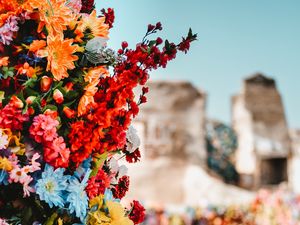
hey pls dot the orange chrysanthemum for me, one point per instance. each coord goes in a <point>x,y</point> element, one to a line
<point>92,78</point>
<point>60,56</point>
<point>54,14</point>
<point>95,24</point>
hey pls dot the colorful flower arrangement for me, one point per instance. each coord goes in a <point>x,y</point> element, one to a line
<point>66,104</point>
<point>279,207</point>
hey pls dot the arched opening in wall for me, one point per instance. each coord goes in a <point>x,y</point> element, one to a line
<point>273,171</point>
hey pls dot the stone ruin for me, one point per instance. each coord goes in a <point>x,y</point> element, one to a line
<point>172,131</point>
<point>264,145</point>
<point>172,123</point>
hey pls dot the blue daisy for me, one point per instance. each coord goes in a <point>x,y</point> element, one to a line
<point>52,185</point>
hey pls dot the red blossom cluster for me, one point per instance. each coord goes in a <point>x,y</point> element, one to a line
<point>105,125</point>
<point>97,184</point>
<point>109,16</point>
<point>121,188</point>
<point>87,6</point>
<point>138,213</point>
<point>12,117</point>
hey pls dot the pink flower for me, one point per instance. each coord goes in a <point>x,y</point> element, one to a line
<point>35,165</point>
<point>18,175</point>
<point>43,128</point>
<point>26,188</point>
<point>3,222</point>
<point>56,153</point>
<point>8,29</point>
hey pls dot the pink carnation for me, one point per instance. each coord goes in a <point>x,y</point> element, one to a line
<point>12,118</point>
<point>56,153</point>
<point>43,128</point>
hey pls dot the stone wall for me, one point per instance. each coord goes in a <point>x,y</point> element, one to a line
<point>172,122</point>
<point>264,145</point>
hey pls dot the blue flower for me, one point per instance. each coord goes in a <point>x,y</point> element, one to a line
<point>3,177</point>
<point>52,185</point>
<point>77,197</point>
<point>108,196</point>
<point>83,168</point>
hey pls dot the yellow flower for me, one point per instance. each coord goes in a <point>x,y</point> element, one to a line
<point>97,201</point>
<point>98,218</point>
<point>60,56</point>
<point>16,146</point>
<point>117,214</point>
<point>5,164</point>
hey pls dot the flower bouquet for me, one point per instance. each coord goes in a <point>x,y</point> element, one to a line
<point>66,104</point>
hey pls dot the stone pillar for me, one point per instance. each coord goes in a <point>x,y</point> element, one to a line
<point>258,118</point>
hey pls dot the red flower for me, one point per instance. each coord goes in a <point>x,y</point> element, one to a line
<point>137,214</point>
<point>12,117</point>
<point>97,184</point>
<point>56,153</point>
<point>45,83</point>
<point>87,6</point>
<point>122,187</point>
<point>133,157</point>
<point>109,16</point>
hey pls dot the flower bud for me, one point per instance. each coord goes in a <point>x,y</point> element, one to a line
<point>159,41</point>
<point>150,27</point>
<point>52,113</point>
<point>124,44</point>
<point>45,83</point>
<point>69,86</point>
<point>31,111</point>
<point>30,100</point>
<point>58,96</point>
<point>17,102</point>
<point>69,113</point>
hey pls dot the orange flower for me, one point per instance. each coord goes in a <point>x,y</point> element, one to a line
<point>54,14</point>
<point>26,69</point>
<point>92,77</point>
<point>95,24</point>
<point>4,61</point>
<point>60,56</point>
<point>37,45</point>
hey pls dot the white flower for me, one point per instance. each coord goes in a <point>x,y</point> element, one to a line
<point>3,140</point>
<point>116,171</point>
<point>96,44</point>
<point>133,140</point>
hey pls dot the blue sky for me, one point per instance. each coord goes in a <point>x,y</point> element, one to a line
<point>236,39</point>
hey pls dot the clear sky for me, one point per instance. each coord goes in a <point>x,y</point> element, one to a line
<point>236,39</point>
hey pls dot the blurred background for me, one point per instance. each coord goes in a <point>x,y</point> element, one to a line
<point>220,133</point>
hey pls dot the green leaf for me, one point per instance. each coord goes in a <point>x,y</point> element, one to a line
<point>151,43</point>
<point>99,159</point>
<point>30,83</point>
<point>52,219</point>
<point>51,107</point>
<point>2,96</point>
